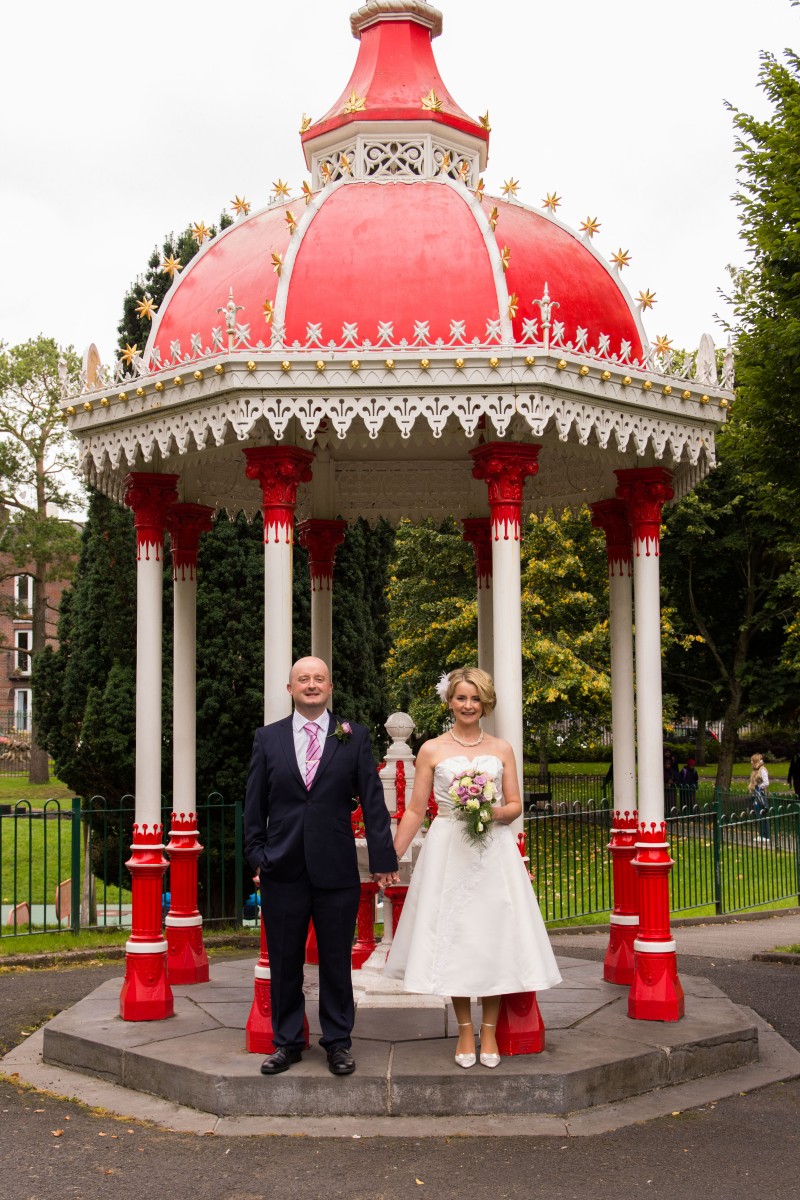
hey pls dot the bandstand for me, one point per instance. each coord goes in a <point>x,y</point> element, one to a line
<point>392,341</point>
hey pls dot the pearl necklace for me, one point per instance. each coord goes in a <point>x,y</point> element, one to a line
<point>461,741</point>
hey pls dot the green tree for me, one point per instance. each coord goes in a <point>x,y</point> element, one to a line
<point>433,617</point>
<point>565,647</point>
<point>729,582</point>
<point>39,484</point>
<point>134,328</point>
<point>766,292</point>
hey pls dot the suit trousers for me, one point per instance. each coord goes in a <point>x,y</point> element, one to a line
<point>287,909</point>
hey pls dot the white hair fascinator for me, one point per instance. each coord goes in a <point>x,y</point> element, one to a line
<point>442,686</point>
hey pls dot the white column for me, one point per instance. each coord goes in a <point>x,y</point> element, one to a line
<point>478,532</point>
<point>623,731</point>
<point>279,470</point>
<point>505,466</point>
<point>321,538</point>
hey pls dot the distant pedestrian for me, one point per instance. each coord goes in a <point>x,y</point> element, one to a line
<point>793,778</point>
<point>670,780</point>
<point>688,781</point>
<point>759,802</point>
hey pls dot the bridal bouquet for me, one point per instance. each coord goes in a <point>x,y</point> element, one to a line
<point>472,792</point>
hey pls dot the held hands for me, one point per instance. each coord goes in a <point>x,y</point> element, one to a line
<point>385,878</point>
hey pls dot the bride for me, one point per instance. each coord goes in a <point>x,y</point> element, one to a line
<point>470,924</point>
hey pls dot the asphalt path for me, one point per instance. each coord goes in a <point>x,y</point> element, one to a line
<point>749,1145</point>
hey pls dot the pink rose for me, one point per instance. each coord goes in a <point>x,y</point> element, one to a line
<point>347,727</point>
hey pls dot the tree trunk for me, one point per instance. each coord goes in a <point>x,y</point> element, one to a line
<point>727,743</point>
<point>39,767</point>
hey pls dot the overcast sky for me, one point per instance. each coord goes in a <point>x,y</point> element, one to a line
<point>120,123</point>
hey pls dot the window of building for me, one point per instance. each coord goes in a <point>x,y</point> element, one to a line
<point>23,594</point>
<point>22,710</point>
<point>22,647</point>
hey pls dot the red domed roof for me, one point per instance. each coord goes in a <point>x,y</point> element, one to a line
<point>398,244</point>
<point>368,254</point>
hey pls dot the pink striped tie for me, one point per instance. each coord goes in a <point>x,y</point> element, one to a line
<point>313,751</point>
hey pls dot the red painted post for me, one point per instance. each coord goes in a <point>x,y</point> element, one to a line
<point>146,994</point>
<point>624,921</point>
<point>365,940</point>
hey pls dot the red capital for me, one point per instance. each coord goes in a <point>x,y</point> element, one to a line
<point>185,523</point>
<point>320,539</point>
<point>280,470</point>
<point>478,532</point>
<point>645,491</point>
<point>150,495</point>
<point>505,466</point>
<point>612,517</point>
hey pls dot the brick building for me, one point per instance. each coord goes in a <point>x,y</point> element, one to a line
<point>16,634</point>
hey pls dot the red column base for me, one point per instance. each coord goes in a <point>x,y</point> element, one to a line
<point>396,894</point>
<point>258,1030</point>
<point>365,942</point>
<point>618,962</point>
<point>146,994</point>
<point>187,961</point>
<point>312,950</point>
<point>656,993</point>
<point>520,1028</point>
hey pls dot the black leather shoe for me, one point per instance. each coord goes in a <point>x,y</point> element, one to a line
<point>281,1060</point>
<point>341,1061</point>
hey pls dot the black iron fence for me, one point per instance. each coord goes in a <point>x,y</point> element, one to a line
<point>728,858</point>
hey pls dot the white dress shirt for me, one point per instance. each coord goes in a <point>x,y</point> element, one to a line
<point>301,737</point>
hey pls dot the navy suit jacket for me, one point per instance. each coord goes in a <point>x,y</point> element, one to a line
<point>289,829</point>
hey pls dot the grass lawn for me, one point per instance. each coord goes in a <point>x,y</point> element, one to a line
<point>16,787</point>
<point>35,857</point>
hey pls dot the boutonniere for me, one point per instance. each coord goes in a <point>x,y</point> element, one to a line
<point>342,731</point>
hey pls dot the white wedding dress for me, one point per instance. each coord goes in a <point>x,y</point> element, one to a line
<point>470,924</point>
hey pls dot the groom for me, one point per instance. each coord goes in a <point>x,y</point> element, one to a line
<point>304,773</point>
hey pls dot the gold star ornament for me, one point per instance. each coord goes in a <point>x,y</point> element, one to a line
<point>129,353</point>
<point>479,190</point>
<point>268,309</point>
<point>551,201</point>
<point>505,257</point>
<point>663,344</point>
<point>445,161</point>
<point>308,195</point>
<point>170,265</point>
<point>355,103</point>
<point>345,164</point>
<point>200,232</point>
<point>280,190</point>
<point>484,120</point>
<point>463,170</point>
<point>305,123</point>
<point>513,305</point>
<point>277,262</point>
<point>240,206</point>
<point>290,220</point>
<point>647,299</point>
<point>494,216</point>
<point>590,226</point>
<point>510,188</point>
<point>146,307</point>
<point>431,102</point>
<point>621,259</point>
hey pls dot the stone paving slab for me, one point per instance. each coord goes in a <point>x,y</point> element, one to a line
<point>595,1055</point>
<point>778,1062</point>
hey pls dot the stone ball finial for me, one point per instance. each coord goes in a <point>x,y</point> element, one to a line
<point>399,726</point>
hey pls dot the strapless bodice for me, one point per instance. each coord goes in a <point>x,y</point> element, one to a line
<point>445,772</point>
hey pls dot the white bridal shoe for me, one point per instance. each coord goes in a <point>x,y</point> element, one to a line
<point>489,1060</point>
<point>466,1060</point>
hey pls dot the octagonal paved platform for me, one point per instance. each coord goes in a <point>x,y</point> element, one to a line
<point>595,1055</point>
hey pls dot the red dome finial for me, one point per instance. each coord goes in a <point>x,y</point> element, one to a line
<point>395,79</point>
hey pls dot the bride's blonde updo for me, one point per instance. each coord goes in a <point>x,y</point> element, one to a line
<point>480,680</point>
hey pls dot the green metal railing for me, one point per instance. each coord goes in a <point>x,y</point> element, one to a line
<point>44,851</point>
<point>727,857</point>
